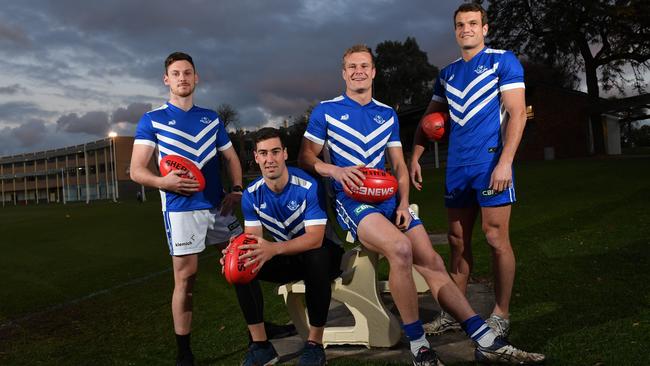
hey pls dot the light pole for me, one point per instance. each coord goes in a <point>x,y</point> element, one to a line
<point>111,150</point>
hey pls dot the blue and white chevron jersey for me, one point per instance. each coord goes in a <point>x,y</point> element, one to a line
<point>286,214</point>
<point>472,91</point>
<point>355,134</point>
<point>196,135</point>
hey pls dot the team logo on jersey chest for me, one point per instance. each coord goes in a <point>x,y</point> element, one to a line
<point>379,119</point>
<point>172,122</point>
<point>481,69</point>
<point>205,120</point>
<point>263,206</point>
<point>345,117</point>
<point>293,205</point>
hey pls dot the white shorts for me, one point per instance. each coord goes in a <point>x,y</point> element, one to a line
<point>189,232</point>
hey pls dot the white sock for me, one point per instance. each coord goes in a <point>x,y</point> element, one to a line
<point>419,343</point>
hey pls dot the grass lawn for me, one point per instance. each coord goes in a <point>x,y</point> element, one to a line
<point>91,284</point>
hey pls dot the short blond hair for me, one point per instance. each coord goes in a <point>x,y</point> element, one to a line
<point>358,48</point>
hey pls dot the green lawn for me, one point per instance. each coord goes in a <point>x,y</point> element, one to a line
<point>90,284</point>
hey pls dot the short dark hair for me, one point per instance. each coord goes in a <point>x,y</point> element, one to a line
<point>357,48</point>
<point>178,56</point>
<point>267,133</point>
<point>472,7</point>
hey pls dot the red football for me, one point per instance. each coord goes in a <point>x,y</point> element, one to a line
<point>233,267</point>
<point>435,125</point>
<point>378,186</point>
<point>177,162</point>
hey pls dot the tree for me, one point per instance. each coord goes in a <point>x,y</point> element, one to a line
<point>227,114</point>
<point>600,38</point>
<point>404,75</point>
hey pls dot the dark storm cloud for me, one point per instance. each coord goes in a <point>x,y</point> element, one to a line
<point>30,133</point>
<point>243,44</point>
<point>131,113</point>
<point>92,123</point>
<point>268,59</point>
<point>12,89</point>
<point>14,35</point>
<point>12,112</point>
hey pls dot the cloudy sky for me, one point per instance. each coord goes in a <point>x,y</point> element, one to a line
<point>70,71</point>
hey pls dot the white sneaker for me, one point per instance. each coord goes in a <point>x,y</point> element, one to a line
<point>441,324</point>
<point>499,325</point>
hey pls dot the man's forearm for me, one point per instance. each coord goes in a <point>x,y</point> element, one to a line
<point>514,132</point>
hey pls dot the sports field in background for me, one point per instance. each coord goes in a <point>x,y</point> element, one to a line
<point>91,284</point>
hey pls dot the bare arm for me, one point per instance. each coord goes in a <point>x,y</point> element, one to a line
<point>396,156</point>
<point>514,101</point>
<point>140,173</point>
<point>419,144</point>
<point>350,177</point>
<point>232,200</point>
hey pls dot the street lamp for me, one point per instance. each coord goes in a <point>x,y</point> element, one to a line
<point>111,150</point>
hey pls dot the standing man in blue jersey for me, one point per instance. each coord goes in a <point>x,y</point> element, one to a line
<point>192,219</point>
<point>359,130</point>
<point>483,92</point>
<point>289,204</point>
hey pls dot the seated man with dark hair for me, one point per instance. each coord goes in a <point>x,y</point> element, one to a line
<point>289,203</point>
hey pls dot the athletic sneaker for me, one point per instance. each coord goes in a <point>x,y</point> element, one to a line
<point>441,324</point>
<point>503,352</point>
<point>313,354</point>
<point>499,325</point>
<point>426,357</point>
<point>260,356</point>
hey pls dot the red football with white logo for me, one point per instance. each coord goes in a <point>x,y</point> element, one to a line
<point>177,162</point>
<point>378,186</point>
<point>233,266</point>
<point>435,125</point>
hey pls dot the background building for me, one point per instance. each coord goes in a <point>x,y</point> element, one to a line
<point>91,171</point>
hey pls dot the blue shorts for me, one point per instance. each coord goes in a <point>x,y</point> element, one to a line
<point>469,186</point>
<point>349,212</point>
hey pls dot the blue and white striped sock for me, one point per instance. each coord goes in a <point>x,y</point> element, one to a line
<point>479,331</point>
<point>415,333</point>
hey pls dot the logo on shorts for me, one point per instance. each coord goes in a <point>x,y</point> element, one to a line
<point>379,119</point>
<point>360,209</point>
<point>205,120</point>
<point>185,243</point>
<point>492,150</point>
<point>481,69</point>
<point>293,205</point>
<point>172,122</point>
<point>489,192</point>
<point>345,117</point>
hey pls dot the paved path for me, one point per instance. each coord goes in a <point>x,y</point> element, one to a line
<point>451,347</point>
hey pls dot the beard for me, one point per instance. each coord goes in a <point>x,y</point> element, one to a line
<point>183,94</point>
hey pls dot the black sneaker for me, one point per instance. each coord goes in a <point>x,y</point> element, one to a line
<point>187,360</point>
<point>503,352</point>
<point>312,355</point>
<point>260,356</point>
<point>426,357</point>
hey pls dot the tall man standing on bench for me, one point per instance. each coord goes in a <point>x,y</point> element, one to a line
<point>358,131</point>
<point>290,205</point>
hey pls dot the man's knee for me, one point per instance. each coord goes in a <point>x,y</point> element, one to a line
<point>497,236</point>
<point>400,252</point>
<point>184,278</point>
